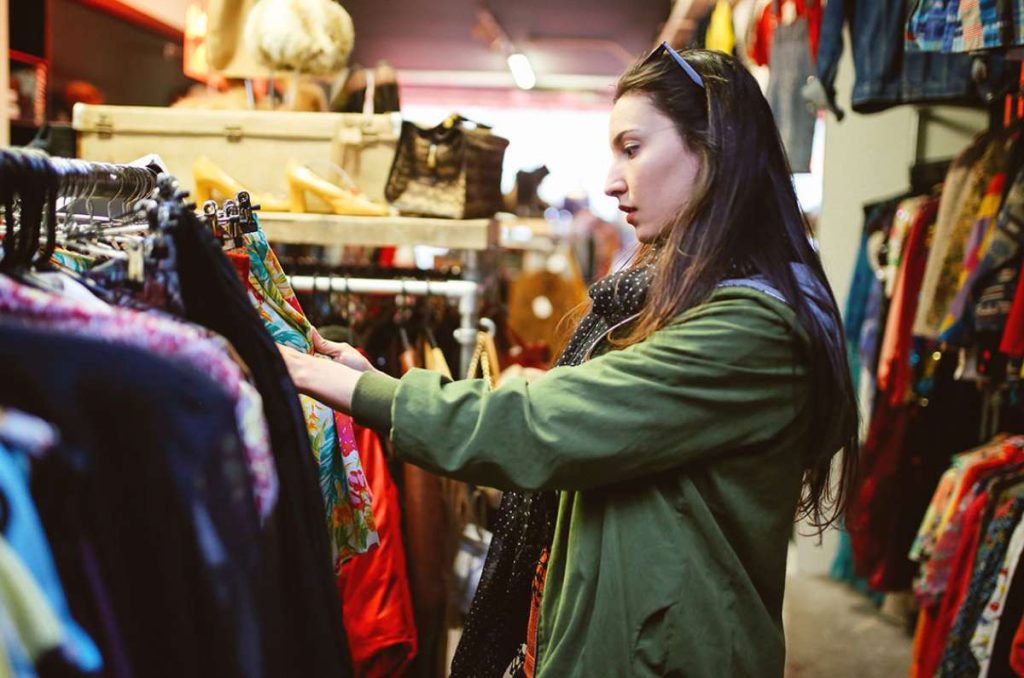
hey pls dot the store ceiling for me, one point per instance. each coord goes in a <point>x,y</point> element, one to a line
<point>561,37</point>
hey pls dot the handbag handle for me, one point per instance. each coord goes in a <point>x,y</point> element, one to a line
<point>371,91</point>
<point>458,119</point>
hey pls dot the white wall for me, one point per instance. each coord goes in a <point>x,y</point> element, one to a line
<point>867,157</point>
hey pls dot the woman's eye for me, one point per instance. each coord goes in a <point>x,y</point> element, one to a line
<point>630,151</point>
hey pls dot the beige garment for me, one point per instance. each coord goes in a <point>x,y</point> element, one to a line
<point>37,624</point>
<point>962,193</point>
<point>225,46</point>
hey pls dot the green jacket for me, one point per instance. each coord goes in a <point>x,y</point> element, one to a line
<point>680,463</point>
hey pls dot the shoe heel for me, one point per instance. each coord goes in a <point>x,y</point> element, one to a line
<point>204,192</point>
<point>296,197</point>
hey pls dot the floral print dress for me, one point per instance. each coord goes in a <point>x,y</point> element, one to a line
<point>345,490</point>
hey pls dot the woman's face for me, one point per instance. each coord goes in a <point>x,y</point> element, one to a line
<point>653,172</point>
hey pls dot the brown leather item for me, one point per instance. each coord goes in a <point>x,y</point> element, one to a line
<point>451,171</point>
<point>565,294</point>
<point>426,523</point>
<point>427,526</point>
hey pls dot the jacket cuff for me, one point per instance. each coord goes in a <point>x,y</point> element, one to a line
<point>372,401</point>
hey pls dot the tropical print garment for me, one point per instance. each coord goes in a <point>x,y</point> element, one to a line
<point>345,490</point>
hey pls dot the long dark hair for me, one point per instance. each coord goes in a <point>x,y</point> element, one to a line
<point>744,212</point>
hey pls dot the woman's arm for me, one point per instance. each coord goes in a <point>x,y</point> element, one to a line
<point>332,382</point>
<point>726,378</point>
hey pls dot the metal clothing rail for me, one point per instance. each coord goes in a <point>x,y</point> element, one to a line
<point>466,291</point>
<point>78,178</point>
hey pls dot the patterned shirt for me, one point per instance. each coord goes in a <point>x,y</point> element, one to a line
<point>346,493</point>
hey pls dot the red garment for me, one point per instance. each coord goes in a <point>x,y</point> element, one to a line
<point>537,594</point>
<point>894,370</point>
<point>761,43</point>
<point>868,518</point>
<point>1017,651</point>
<point>240,260</point>
<point>1013,336</point>
<point>374,586</point>
<point>933,641</point>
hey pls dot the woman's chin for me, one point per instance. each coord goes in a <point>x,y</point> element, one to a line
<point>647,235</point>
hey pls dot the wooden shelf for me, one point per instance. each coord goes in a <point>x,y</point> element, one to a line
<point>330,229</point>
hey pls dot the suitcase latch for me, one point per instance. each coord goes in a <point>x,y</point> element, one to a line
<point>233,133</point>
<point>104,126</point>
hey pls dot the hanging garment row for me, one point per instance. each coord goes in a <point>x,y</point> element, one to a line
<point>935,327</point>
<point>970,586</point>
<point>181,503</point>
<point>952,27</point>
<point>120,272</point>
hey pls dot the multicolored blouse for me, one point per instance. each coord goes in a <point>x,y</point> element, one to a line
<point>343,484</point>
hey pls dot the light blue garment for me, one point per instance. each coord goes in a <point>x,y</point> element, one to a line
<point>24,532</point>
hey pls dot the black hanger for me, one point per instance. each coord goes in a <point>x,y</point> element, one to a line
<point>28,183</point>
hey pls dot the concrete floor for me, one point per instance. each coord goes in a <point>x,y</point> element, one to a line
<point>834,632</point>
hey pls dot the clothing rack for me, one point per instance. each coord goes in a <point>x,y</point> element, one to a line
<point>466,291</point>
<point>79,178</point>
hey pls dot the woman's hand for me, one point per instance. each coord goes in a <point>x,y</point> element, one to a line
<point>343,353</point>
<point>330,382</point>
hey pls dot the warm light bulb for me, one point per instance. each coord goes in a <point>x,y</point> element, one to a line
<point>522,71</point>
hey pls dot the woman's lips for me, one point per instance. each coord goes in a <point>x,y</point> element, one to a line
<point>630,218</point>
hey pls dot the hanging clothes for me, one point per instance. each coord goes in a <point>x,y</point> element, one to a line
<point>989,247</point>
<point>169,459</point>
<point>168,478</point>
<point>972,527</point>
<point>984,638</point>
<point>886,74</point>
<point>983,159</point>
<point>346,494</point>
<point>792,58</point>
<point>957,26</point>
<point>37,629</point>
<point>721,36</point>
<point>305,623</point>
<point>760,49</point>
<point>25,536</point>
<point>374,586</point>
<point>192,345</point>
<point>916,217</point>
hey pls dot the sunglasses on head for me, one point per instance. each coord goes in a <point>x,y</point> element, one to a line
<point>687,68</point>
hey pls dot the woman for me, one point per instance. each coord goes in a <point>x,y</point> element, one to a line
<point>702,420</point>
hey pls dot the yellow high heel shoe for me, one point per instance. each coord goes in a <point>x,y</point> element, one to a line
<point>342,200</point>
<point>211,179</point>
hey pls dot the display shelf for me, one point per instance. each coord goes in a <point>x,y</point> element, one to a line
<point>330,229</point>
<point>521,233</point>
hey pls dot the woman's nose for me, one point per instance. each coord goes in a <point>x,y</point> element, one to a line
<point>615,184</point>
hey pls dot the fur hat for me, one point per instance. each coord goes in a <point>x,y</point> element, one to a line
<point>307,36</point>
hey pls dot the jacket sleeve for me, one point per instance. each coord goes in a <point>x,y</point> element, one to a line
<point>725,377</point>
<point>830,49</point>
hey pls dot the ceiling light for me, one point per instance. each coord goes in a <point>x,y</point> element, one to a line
<point>522,71</point>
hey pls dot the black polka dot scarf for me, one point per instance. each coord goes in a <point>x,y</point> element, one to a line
<point>495,628</point>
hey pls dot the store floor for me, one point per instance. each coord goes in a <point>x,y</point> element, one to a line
<point>834,632</point>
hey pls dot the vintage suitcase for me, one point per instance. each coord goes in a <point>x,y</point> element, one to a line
<point>253,147</point>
